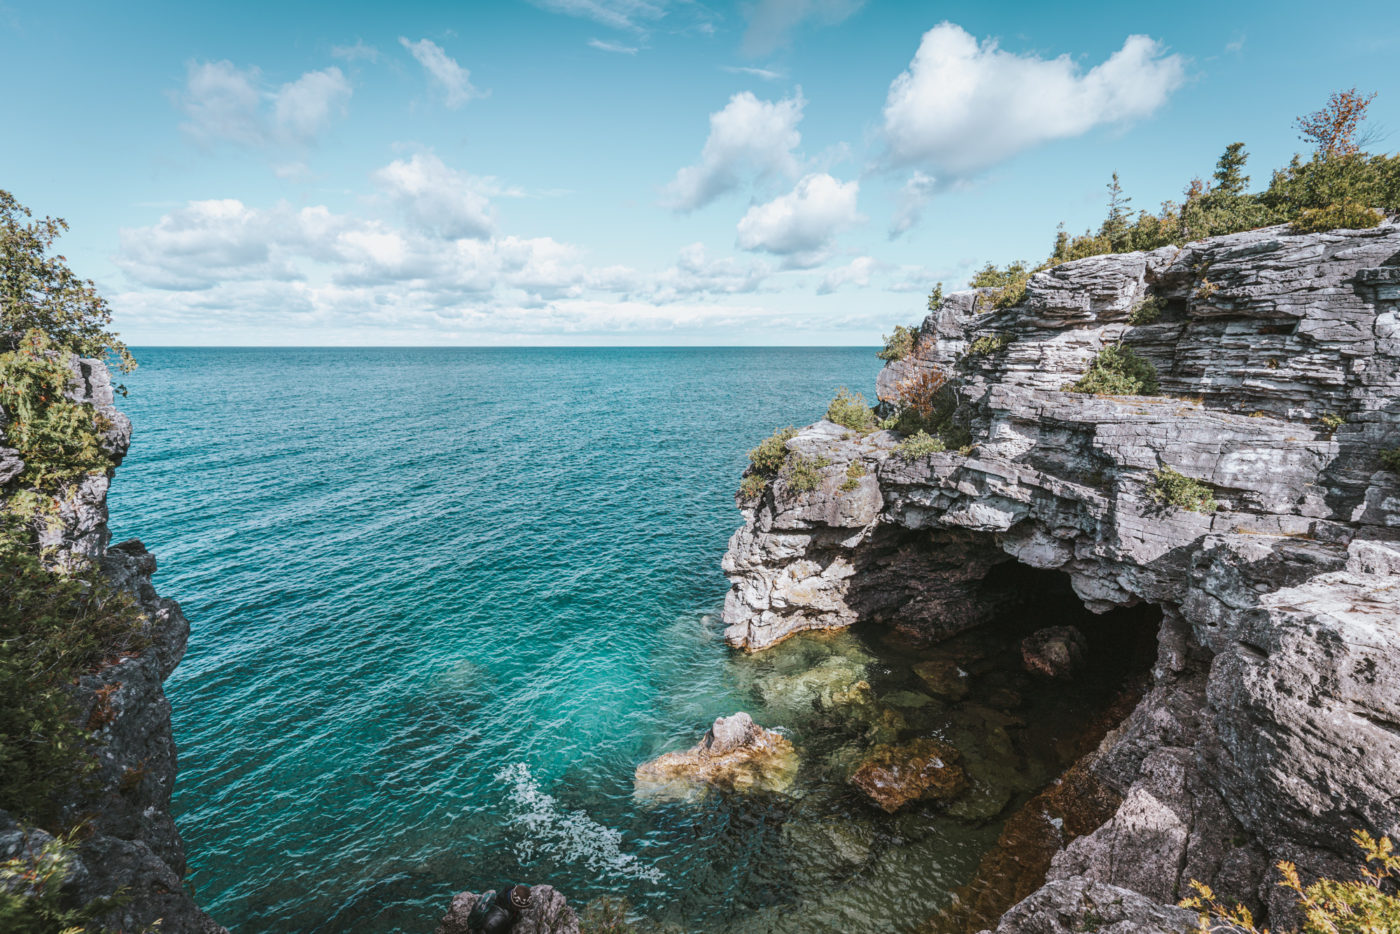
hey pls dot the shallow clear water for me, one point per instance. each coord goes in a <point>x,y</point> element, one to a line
<point>443,602</point>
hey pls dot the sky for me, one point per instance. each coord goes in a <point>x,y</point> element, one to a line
<point>625,172</point>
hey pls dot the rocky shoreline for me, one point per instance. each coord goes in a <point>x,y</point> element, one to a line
<point>1271,728</point>
<point>128,842</point>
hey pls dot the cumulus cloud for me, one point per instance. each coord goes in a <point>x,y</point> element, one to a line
<point>225,103</point>
<point>909,203</point>
<point>771,21</point>
<point>748,136</point>
<point>206,242</point>
<point>963,105</point>
<point>800,225</point>
<point>452,79</point>
<point>857,272</point>
<point>437,198</point>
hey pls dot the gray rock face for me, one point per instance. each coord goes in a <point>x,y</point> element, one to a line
<point>133,844</point>
<point>1273,728</point>
<point>549,913</point>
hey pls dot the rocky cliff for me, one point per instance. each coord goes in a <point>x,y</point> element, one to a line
<point>1272,726</point>
<point>129,843</point>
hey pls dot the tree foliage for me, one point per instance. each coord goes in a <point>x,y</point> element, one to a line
<point>39,292</point>
<point>1365,905</point>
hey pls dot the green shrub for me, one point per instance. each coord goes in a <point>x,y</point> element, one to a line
<point>1147,311</point>
<point>988,344</point>
<point>1332,421</point>
<point>803,475</point>
<point>1329,906</point>
<point>854,471</point>
<point>899,344</point>
<point>752,487</point>
<point>935,297</point>
<point>1118,371</point>
<point>919,444</point>
<point>54,628</point>
<point>33,897</point>
<point>1390,459</point>
<point>1010,284</point>
<point>1176,489</point>
<point>851,411</point>
<point>1344,215</point>
<point>768,458</point>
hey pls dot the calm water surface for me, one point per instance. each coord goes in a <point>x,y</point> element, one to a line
<point>443,601</point>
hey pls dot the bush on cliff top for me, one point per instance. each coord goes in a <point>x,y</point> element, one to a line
<point>1338,186</point>
<point>850,410</point>
<point>1329,906</point>
<point>899,344</point>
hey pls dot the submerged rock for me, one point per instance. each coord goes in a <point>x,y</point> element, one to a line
<point>548,912</point>
<point>1056,652</point>
<point>921,770</point>
<point>943,677</point>
<point>735,754</point>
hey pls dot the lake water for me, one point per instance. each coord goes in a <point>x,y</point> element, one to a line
<point>444,601</point>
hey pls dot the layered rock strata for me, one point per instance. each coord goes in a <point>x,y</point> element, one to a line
<point>1272,729</point>
<point>129,841</point>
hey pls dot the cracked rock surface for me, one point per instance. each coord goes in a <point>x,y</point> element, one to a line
<point>1272,729</point>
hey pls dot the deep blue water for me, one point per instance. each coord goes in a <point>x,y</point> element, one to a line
<point>442,603</point>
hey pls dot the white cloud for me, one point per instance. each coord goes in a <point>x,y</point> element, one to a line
<point>913,195</point>
<point>222,102</point>
<point>747,136</point>
<point>770,21</point>
<point>619,14</point>
<point>225,103</point>
<point>357,52</point>
<point>603,45</point>
<point>451,78</point>
<point>857,272</point>
<point>437,198</point>
<point>963,106</point>
<point>767,74</point>
<point>801,224</point>
<point>304,107</point>
<point>207,242</point>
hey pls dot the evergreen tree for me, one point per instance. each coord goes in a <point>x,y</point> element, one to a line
<point>1229,171</point>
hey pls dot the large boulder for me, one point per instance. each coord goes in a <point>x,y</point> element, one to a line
<point>735,754</point>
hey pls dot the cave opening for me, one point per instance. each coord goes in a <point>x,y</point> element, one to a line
<point>1025,736</point>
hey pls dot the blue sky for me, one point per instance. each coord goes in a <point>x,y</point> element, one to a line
<point>624,171</point>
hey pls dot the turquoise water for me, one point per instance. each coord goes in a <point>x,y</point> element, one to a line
<point>432,589</point>
<point>443,602</point>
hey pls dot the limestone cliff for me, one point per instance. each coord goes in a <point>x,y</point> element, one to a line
<point>1272,728</point>
<point>129,842</point>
